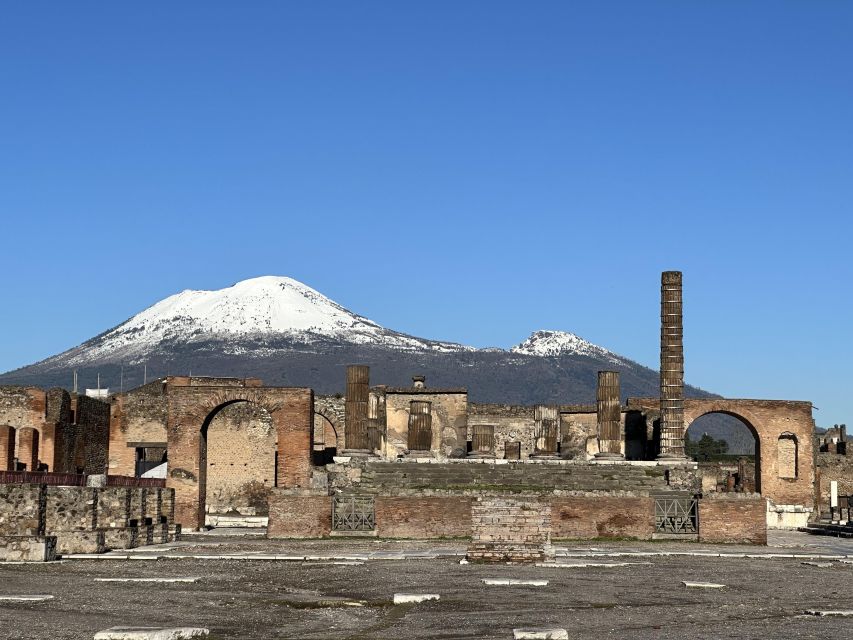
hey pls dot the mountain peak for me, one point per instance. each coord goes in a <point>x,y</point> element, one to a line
<point>556,343</point>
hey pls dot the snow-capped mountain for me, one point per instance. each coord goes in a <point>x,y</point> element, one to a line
<point>260,308</point>
<point>285,332</point>
<point>557,343</point>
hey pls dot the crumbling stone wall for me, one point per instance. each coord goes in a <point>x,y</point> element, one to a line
<point>68,441</point>
<point>449,412</point>
<point>87,519</point>
<point>834,467</point>
<point>22,508</point>
<point>329,421</point>
<point>513,423</point>
<point>91,434</point>
<point>241,447</point>
<point>137,419</point>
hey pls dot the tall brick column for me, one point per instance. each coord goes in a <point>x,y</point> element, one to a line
<point>28,447</point>
<point>671,368</point>
<point>609,416</point>
<point>7,447</point>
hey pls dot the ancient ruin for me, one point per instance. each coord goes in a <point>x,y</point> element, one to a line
<point>396,462</point>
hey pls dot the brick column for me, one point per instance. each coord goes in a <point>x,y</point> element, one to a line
<point>671,368</point>
<point>7,448</point>
<point>28,447</point>
<point>609,416</point>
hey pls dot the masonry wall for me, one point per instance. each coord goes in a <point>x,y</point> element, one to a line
<point>86,519</point>
<point>423,517</point>
<point>92,434</point>
<point>834,467</point>
<point>510,528</point>
<point>512,423</point>
<point>299,516</point>
<point>22,509</point>
<point>137,419</point>
<point>602,516</point>
<point>733,518</point>
<point>329,420</point>
<point>449,420</point>
<point>241,448</point>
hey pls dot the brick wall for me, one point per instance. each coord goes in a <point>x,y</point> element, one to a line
<point>602,517</point>
<point>137,418</point>
<point>28,449</point>
<point>735,518</point>
<point>299,516</point>
<point>241,460</point>
<point>510,529</point>
<point>7,448</point>
<point>423,517</point>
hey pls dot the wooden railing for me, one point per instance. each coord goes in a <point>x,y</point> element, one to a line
<point>74,479</point>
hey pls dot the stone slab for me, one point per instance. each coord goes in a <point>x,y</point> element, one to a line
<point>588,565</point>
<point>36,598</point>
<point>147,579</point>
<point>841,613</point>
<point>540,634</point>
<point>151,633</point>
<point>702,585</point>
<point>404,598</point>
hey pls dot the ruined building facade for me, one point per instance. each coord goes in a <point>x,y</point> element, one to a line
<point>424,462</point>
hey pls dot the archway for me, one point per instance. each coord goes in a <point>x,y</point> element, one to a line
<point>728,449</point>
<point>237,461</point>
<point>326,439</point>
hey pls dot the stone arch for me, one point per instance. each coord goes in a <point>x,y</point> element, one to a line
<point>237,460</point>
<point>744,417</point>
<point>331,427</point>
<point>190,409</point>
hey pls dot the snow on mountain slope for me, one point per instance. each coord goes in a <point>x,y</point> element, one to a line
<point>269,315</point>
<point>267,306</point>
<point>557,343</point>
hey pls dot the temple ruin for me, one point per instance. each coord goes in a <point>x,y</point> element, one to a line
<point>397,462</point>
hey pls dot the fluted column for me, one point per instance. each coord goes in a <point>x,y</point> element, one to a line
<point>357,399</point>
<point>609,407</point>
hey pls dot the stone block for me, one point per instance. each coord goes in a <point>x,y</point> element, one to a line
<point>68,542</point>
<point>27,548</point>
<point>121,537</point>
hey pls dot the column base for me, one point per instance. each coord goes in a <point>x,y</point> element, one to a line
<point>604,456</point>
<point>358,452</point>
<point>671,457</point>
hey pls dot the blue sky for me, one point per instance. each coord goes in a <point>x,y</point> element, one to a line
<point>519,165</point>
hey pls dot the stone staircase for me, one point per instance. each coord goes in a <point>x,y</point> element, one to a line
<point>402,477</point>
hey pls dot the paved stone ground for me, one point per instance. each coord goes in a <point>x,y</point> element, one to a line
<point>764,597</point>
